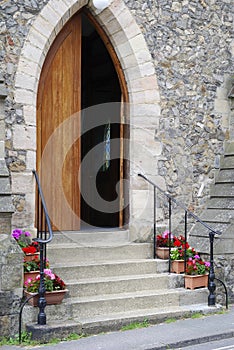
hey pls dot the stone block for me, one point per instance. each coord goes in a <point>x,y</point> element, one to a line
<point>43,27</point>
<point>25,81</point>
<point>22,219</point>
<point>5,223</point>
<point>24,137</point>
<point>5,187</point>
<point>3,168</point>
<point>51,15</point>
<point>2,149</point>
<point>37,39</point>
<point>119,38</point>
<point>144,83</point>
<point>30,115</point>
<point>24,96</point>
<point>28,67</point>
<point>22,183</point>
<point>31,160</point>
<point>6,204</point>
<point>59,6</point>
<point>125,50</point>
<point>2,129</point>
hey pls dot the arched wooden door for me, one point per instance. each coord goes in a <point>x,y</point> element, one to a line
<point>59,99</point>
<point>78,72</point>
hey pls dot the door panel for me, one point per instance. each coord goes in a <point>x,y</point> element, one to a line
<point>58,156</point>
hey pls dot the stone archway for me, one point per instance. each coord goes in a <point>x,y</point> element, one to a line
<point>136,62</point>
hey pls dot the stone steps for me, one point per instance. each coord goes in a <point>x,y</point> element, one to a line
<point>111,286</point>
<point>69,252</point>
<point>219,213</point>
<point>117,303</point>
<point>110,268</point>
<point>122,284</point>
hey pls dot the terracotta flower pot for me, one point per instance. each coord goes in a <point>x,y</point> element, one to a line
<point>162,252</point>
<point>52,298</point>
<point>196,281</point>
<point>177,266</point>
<point>30,257</point>
<point>31,274</point>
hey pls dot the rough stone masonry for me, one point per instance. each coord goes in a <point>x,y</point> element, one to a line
<point>191,44</point>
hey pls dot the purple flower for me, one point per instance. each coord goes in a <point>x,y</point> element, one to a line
<point>207,263</point>
<point>16,233</point>
<point>27,234</point>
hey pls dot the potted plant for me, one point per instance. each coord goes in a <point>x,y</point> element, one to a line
<point>196,272</point>
<point>54,285</point>
<point>180,250</point>
<point>23,238</point>
<point>163,242</point>
<point>32,267</point>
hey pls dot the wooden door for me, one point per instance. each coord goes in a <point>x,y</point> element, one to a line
<point>58,127</point>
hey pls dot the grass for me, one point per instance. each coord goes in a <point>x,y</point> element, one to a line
<point>136,325</point>
<point>171,320</point>
<point>26,340</point>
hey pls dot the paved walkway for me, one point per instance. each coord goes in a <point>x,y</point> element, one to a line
<point>159,337</point>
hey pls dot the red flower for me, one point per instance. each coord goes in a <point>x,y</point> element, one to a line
<point>29,250</point>
<point>177,243</point>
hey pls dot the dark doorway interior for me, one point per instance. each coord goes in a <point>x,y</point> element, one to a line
<point>99,85</point>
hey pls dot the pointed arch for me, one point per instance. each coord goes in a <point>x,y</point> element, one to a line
<point>128,44</point>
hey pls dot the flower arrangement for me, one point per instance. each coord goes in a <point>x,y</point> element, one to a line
<point>34,264</point>
<point>196,266</point>
<point>24,240</point>
<point>166,239</point>
<point>178,251</point>
<point>52,282</point>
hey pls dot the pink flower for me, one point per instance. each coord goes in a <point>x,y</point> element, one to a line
<point>197,257</point>
<point>49,273</point>
<point>166,234</point>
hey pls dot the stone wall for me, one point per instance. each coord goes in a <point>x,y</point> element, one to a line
<point>191,44</point>
<point>11,283</point>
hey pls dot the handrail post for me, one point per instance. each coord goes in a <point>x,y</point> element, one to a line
<point>42,290</point>
<point>155,222</point>
<point>169,209</point>
<point>211,284</point>
<point>185,237</point>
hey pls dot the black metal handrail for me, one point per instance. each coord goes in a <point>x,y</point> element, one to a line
<point>212,233</point>
<point>44,236</point>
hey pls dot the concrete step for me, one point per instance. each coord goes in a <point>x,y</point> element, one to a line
<point>217,215</point>
<point>111,303</point>
<point>88,238</point>
<point>220,203</point>
<point>227,162</point>
<point>225,176</point>
<point>222,190</point>
<point>200,231</point>
<point>71,252</point>
<point>229,148</point>
<point>70,272</point>
<point>114,322</point>
<point>124,284</point>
